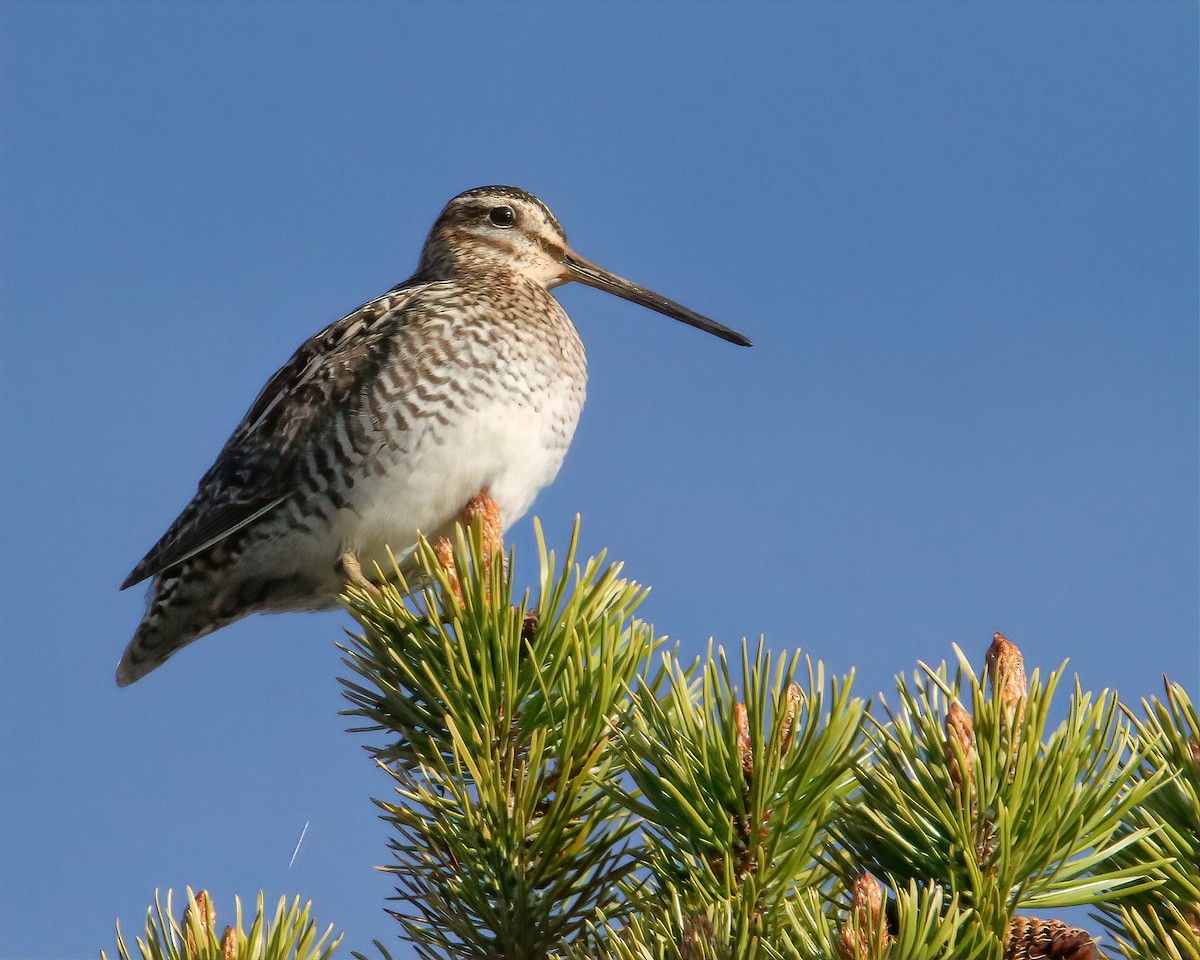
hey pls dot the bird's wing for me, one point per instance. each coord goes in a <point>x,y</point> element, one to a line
<point>253,473</point>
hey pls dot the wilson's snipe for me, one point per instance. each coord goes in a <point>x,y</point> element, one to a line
<point>456,392</point>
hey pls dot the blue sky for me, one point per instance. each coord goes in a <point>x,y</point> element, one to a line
<point>963,238</point>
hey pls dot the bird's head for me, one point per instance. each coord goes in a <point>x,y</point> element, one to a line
<point>496,228</point>
<point>504,229</point>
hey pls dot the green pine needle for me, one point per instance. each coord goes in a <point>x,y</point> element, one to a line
<point>1034,825</point>
<point>1162,836</point>
<point>734,812</point>
<point>496,730</point>
<point>562,787</point>
<point>290,934</point>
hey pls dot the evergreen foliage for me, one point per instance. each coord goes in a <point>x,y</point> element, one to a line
<point>734,798</point>
<point>290,934</point>
<point>1018,817</point>
<point>1164,921</point>
<point>564,787</point>
<point>497,721</point>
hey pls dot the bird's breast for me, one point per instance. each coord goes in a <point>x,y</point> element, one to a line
<point>498,413</point>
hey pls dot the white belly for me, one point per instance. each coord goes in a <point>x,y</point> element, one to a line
<point>511,451</point>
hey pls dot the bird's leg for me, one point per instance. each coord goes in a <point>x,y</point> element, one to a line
<point>354,574</point>
<point>483,506</point>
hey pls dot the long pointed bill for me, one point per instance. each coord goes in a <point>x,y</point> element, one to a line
<point>588,273</point>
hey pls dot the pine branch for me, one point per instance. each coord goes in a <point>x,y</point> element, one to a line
<point>290,934</point>
<point>734,798</point>
<point>496,723</point>
<point>1164,833</point>
<point>562,792</point>
<point>994,806</point>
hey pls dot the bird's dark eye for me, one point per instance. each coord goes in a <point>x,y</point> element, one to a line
<point>502,216</point>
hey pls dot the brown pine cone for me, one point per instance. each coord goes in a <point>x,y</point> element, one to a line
<point>1032,939</point>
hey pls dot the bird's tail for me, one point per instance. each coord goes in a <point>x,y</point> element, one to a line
<point>175,616</point>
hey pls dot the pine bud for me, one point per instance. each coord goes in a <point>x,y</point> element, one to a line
<point>745,748</point>
<point>788,728</point>
<point>207,918</point>
<point>229,944</point>
<point>445,558</point>
<point>1006,670</point>
<point>866,897</point>
<point>853,944</point>
<point>961,731</point>
<point>697,938</point>
<point>865,935</point>
<point>986,845</point>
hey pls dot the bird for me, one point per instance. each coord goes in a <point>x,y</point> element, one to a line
<point>453,394</point>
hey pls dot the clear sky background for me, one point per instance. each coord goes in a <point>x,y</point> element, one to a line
<point>962,236</point>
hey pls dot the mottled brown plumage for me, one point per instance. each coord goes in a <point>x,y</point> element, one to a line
<point>468,377</point>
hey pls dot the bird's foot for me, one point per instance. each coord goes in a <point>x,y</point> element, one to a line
<point>354,575</point>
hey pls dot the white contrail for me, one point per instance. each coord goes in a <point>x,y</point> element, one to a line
<point>298,842</point>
